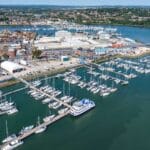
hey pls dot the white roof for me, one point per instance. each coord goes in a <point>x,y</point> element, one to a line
<point>10,66</point>
<point>48,39</point>
<point>63,33</point>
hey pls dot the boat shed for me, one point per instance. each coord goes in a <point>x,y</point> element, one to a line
<point>11,67</point>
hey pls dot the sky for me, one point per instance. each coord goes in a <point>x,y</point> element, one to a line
<point>77,2</point>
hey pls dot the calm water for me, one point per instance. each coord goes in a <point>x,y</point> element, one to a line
<point>137,33</point>
<point>119,121</point>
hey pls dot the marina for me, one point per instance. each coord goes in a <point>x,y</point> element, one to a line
<point>33,131</point>
<point>7,107</point>
<point>118,88</point>
<point>100,79</point>
<point>27,131</point>
<point>74,75</point>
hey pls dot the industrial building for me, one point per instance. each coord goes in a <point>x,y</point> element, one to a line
<point>11,67</point>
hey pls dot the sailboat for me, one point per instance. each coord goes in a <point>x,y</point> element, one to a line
<point>69,98</point>
<point>8,138</point>
<point>113,89</point>
<point>5,105</point>
<point>125,81</point>
<point>48,118</point>
<point>64,96</point>
<point>12,145</point>
<point>40,128</point>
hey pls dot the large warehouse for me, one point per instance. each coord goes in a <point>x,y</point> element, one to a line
<point>11,66</point>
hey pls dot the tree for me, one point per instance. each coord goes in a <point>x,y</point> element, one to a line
<point>4,57</point>
<point>36,53</point>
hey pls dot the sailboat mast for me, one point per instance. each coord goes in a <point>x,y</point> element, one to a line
<point>6,129</point>
<point>53,82</point>
<point>38,121</point>
<point>69,89</point>
<point>46,80</point>
<point>63,89</point>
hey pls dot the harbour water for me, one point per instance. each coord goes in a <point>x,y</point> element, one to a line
<point>137,33</point>
<point>118,122</point>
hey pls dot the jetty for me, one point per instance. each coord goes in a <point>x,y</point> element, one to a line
<point>15,91</point>
<point>117,73</point>
<point>32,131</point>
<point>29,85</point>
<point>58,117</point>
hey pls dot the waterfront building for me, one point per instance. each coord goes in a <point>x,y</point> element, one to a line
<point>11,67</point>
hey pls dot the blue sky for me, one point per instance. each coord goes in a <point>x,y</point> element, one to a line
<point>78,2</point>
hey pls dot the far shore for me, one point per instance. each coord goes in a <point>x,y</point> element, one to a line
<point>102,24</point>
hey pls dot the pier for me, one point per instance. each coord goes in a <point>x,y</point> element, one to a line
<point>29,85</point>
<point>32,131</point>
<point>110,77</point>
<point>15,91</point>
<point>118,73</point>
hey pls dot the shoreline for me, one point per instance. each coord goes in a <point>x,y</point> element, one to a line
<point>61,70</point>
<point>121,56</point>
<point>38,75</point>
<point>127,25</point>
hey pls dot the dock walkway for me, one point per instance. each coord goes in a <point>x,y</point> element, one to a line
<point>31,132</point>
<point>29,85</point>
<point>15,91</point>
<point>118,73</point>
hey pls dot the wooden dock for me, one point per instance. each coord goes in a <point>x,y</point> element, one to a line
<point>29,85</point>
<point>15,91</point>
<point>117,73</point>
<point>32,131</point>
<point>58,117</point>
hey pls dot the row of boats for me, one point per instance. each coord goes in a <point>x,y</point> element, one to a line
<point>78,108</point>
<point>52,103</point>
<point>118,71</point>
<point>7,107</point>
<point>12,141</point>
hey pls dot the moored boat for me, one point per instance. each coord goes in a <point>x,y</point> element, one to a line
<point>81,107</point>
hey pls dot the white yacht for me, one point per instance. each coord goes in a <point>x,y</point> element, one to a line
<point>113,90</point>
<point>105,92</point>
<point>117,81</point>
<point>63,110</point>
<point>89,88</point>
<point>12,111</point>
<point>6,105</point>
<point>81,107</point>
<point>125,82</point>
<point>50,105</point>
<point>69,99</point>
<point>96,91</point>
<point>8,137</point>
<point>64,98</point>
<point>12,145</point>
<point>47,100</point>
<point>36,83</point>
<point>40,128</point>
<point>56,93</point>
<point>56,106</point>
<point>48,118</point>
<point>26,129</point>
<point>74,81</point>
